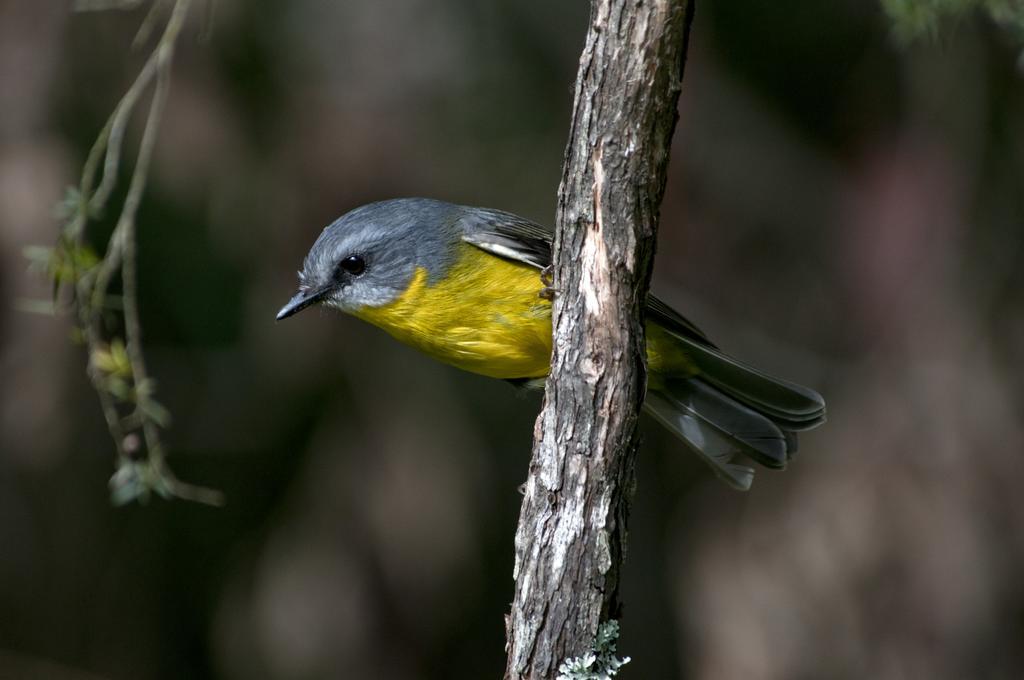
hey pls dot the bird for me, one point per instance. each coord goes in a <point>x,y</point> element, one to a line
<point>468,286</point>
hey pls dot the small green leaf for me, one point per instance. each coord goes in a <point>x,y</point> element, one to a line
<point>112,360</point>
<point>70,205</point>
<point>43,307</point>
<point>155,411</point>
<point>63,263</point>
<point>84,257</point>
<point>39,257</point>
<point>128,484</point>
<point>118,387</point>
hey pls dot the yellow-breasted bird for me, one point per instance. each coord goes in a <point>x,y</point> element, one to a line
<point>464,286</point>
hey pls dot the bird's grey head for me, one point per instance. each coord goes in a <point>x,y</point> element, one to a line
<point>368,257</point>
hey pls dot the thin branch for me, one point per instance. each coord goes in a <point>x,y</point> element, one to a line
<point>115,133</point>
<point>118,369</point>
<point>149,23</point>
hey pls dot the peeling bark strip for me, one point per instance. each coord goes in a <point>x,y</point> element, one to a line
<point>572,527</point>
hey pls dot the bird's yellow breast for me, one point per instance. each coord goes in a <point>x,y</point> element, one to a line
<point>487,316</point>
<point>484,316</point>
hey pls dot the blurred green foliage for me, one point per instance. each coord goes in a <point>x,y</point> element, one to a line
<point>913,19</point>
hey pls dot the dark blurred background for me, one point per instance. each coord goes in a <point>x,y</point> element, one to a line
<point>841,211</point>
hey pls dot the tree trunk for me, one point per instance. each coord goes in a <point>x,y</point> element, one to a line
<point>571,538</point>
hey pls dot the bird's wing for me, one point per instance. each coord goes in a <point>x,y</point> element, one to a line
<point>515,238</point>
<point>509,236</point>
<point>671,320</point>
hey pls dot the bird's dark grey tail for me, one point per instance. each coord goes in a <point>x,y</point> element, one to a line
<point>728,411</point>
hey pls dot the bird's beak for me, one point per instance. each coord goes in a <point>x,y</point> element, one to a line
<point>301,300</point>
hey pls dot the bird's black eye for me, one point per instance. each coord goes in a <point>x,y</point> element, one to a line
<point>353,264</point>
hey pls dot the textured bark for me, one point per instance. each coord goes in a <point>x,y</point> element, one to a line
<point>571,538</point>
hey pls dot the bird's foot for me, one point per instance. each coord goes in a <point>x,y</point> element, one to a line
<point>547,293</point>
<point>547,277</point>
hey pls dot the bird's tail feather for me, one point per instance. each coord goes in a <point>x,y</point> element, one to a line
<point>791,406</point>
<point>729,411</point>
<point>716,448</point>
<point>719,428</point>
